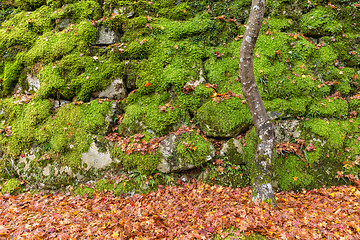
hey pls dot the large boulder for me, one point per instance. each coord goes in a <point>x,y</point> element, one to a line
<point>94,158</point>
<point>184,151</point>
<point>224,117</point>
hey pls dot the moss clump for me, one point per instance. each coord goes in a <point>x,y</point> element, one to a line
<point>354,105</point>
<point>69,133</point>
<point>53,46</point>
<point>83,190</point>
<point>12,186</point>
<point>182,29</point>
<point>195,99</point>
<point>144,163</point>
<point>192,149</point>
<point>23,28</point>
<point>117,188</point>
<point>331,137</point>
<point>76,76</point>
<point>30,5</point>
<point>81,10</point>
<point>320,21</point>
<point>226,118</point>
<point>61,137</point>
<point>25,129</point>
<point>156,113</point>
<point>329,108</point>
<point>288,108</point>
<point>12,72</point>
<point>333,133</point>
<point>223,66</point>
<point>291,173</point>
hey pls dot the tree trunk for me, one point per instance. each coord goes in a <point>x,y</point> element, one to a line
<point>261,170</point>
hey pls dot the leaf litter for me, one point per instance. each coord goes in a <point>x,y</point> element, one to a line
<point>188,211</point>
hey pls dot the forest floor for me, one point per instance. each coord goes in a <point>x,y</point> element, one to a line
<point>187,211</point>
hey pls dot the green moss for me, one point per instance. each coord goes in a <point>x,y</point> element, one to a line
<point>226,118</point>
<point>278,24</point>
<point>29,5</point>
<point>144,163</point>
<point>325,57</point>
<point>62,137</point>
<point>72,129</point>
<point>220,68</point>
<point>288,108</point>
<point>177,30</point>
<point>320,21</point>
<point>77,75</point>
<point>233,235</point>
<point>192,148</point>
<point>343,88</point>
<point>195,99</point>
<point>235,172</point>
<point>12,186</point>
<point>23,28</point>
<point>138,49</point>
<point>156,113</point>
<point>346,48</point>
<point>10,110</point>
<point>53,46</point>
<point>354,105</point>
<point>329,130</point>
<point>123,186</point>
<point>12,74</point>
<point>291,173</point>
<point>178,12</point>
<point>25,127</point>
<point>80,10</point>
<point>329,108</point>
<point>83,190</point>
<point>242,150</point>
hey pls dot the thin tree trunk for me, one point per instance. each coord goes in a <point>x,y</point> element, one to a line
<point>261,171</point>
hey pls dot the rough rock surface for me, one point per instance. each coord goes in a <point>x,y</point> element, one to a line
<point>96,159</point>
<point>115,91</point>
<point>286,130</point>
<point>106,36</point>
<point>34,83</point>
<point>169,161</point>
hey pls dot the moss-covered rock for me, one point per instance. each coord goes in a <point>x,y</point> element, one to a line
<point>226,118</point>
<point>180,61</point>
<point>329,108</point>
<point>12,186</point>
<point>320,21</point>
<point>155,113</point>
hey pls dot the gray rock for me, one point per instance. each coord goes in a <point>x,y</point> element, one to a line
<point>115,91</point>
<point>64,23</point>
<point>124,11</point>
<point>59,103</point>
<point>169,161</point>
<point>197,82</point>
<point>235,144</point>
<point>286,130</point>
<point>33,83</point>
<point>106,36</point>
<point>96,159</point>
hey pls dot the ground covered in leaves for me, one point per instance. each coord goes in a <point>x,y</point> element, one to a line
<point>188,211</point>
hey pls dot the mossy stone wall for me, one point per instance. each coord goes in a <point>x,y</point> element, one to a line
<point>179,63</point>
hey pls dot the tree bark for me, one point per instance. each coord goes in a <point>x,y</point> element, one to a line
<point>261,169</point>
